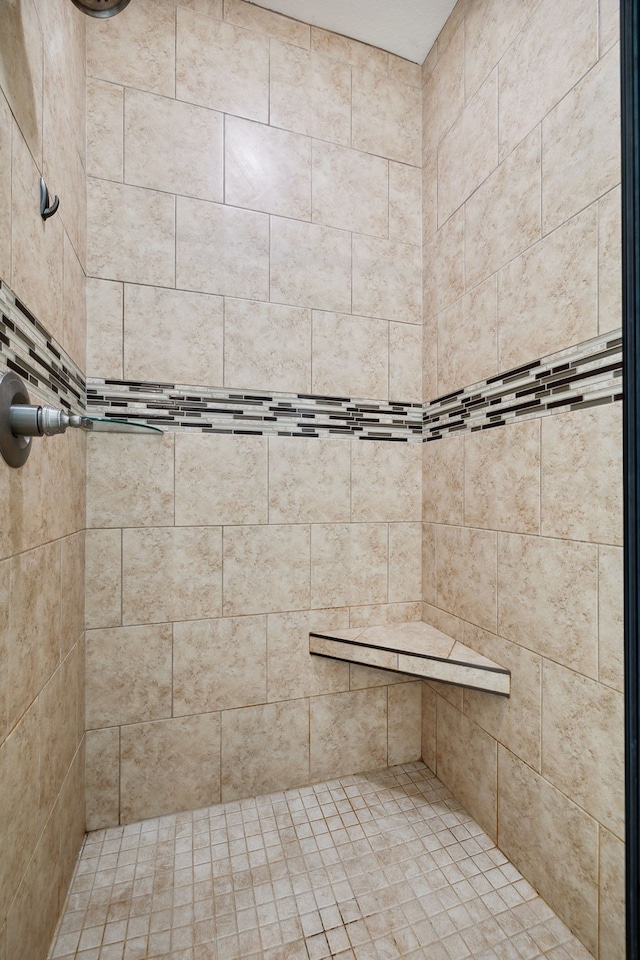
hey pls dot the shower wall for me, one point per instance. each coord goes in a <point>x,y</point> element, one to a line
<point>523,522</point>
<point>254,201</point>
<point>42,79</point>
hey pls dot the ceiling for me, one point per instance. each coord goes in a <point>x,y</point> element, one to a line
<point>405,27</point>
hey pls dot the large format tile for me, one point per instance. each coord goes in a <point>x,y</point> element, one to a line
<point>310,265</point>
<point>405,566</point>
<point>386,117</point>
<point>489,29</point>
<point>310,93</point>
<point>102,774</point>
<point>611,617</point>
<point>610,261</point>
<point>443,259</point>
<point>443,92</point>
<point>386,481</point>
<point>266,569</point>
<point>386,279</point>
<point>260,20</point>
<point>19,773</point>
<point>467,338</point>
<point>6,127</point>
<point>443,481</point>
<point>136,49</point>
<point>350,356</point>
<point>291,670</point>
<point>349,564</point>
<point>350,189</point>
<point>405,203</point>
<point>612,896</point>
<point>309,482</point>
<point>267,346</point>
<point>348,731</point>
<point>104,328</point>
<point>105,130</point>
<point>129,480</point>
<point>347,50</point>
<point>466,574</point>
<point>21,70</point>
<point>405,362</point>
<point>405,722</point>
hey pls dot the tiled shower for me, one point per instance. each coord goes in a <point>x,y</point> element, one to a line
<point>375,307</point>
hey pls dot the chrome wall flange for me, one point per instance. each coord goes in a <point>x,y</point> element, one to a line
<point>13,392</point>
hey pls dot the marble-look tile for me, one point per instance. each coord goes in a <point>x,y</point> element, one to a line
<point>405,369</point>
<point>189,747</point>
<point>405,203</point>
<point>267,169</point>
<point>489,30</point>
<point>291,670</point>
<point>405,70</point>
<point>221,66</point>
<point>310,265</point>
<point>129,480</point>
<point>610,262</point>
<point>264,748</point>
<point>349,564</point>
<point>351,51</point>
<point>610,617</point>
<point>502,478</point>
<point>429,195</point>
<point>468,338</point>
<point>548,296</point>
<point>219,664</point>
<point>429,584</point>
<point>386,482</point>
<point>6,126</point>
<point>21,70</point>
<point>583,743</point>
<point>443,92</point>
<point>104,328</point>
<point>260,20</point>
<point>130,233</point>
<point>386,279</point>
<point>103,578</point>
<point>310,93</point>
<point>171,573</point>
<point>581,494</point>
<point>172,335</point>
<point>405,566</point>
<point>211,8</point>
<point>221,479</point>
<point>348,732</point>
<point>19,772</point>
<point>429,724</point>
<point>558,46</point>
<point>609,23</point>
<point>443,481</point>
<point>102,774</point>
<point>502,218</point>
<point>266,569</point>
<point>385,117</point>
<point>467,762</point>
<point>612,896</point>
<point>372,615</point>
<point>547,598</point>
<point>361,370</point>
<point>581,144</point>
<point>443,263</point>
<point>350,189</point>
<point>309,482</point>
<point>188,162</point>
<point>105,130</point>
<point>136,49</point>
<point>466,574</point>
<point>223,250</point>
<point>267,346</point>
<point>405,722</point>
<point>128,675</point>
<point>552,841</point>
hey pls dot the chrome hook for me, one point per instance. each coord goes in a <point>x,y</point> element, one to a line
<point>47,209</point>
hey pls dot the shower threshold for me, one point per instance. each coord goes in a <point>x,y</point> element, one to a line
<point>376,866</point>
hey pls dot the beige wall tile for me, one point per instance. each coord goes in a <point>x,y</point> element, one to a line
<point>310,93</point>
<point>6,125</point>
<point>104,328</point>
<point>467,762</point>
<point>552,841</point>
<point>350,356</point>
<point>211,8</point>
<point>103,578</point>
<point>515,721</point>
<point>103,778</point>
<point>267,346</point>
<point>405,203</point>
<point>137,49</point>
<point>292,671</point>
<point>582,475</point>
<point>429,583</point>
<point>222,67</point>
<point>502,218</point>
<point>188,162</point>
<point>385,117</point>
<point>265,748</point>
<point>386,279</point>
<point>547,593</point>
<point>548,297</point>
<point>443,480</point>
<point>405,70</point>
<point>171,574</point>
<point>405,567</point>
<point>309,482</point>
<point>358,54</point>
<point>609,262</point>
<point>468,338</point>
<point>612,896</point>
<point>129,480</point>
<point>128,675</point>
<point>443,263</point>
<point>105,130</point>
<point>221,479</point>
<point>310,265</point>
<point>443,92</point>
<point>405,369</point>
<point>429,195</point>
<point>466,574</point>
<point>372,615</point>
<point>609,23</point>
<point>350,189</point>
<point>267,169</point>
<point>222,250</point>
<point>74,305</point>
<point>489,29</point>
<point>557,48</point>
<point>430,360</point>
<point>405,722</point>
<point>266,569</point>
<point>349,564</point>
<point>386,482</point>
<point>265,21</point>
<point>72,566</point>
<point>219,664</point>
<point>130,234</point>
<point>189,747</point>
<point>21,70</point>
<point>348,732</point>
<point>361,677</point>
<point>4,647</point>
<point>502,478</point>
<point>610,617</point>
<point>429,726</point>
<point>171,335</point>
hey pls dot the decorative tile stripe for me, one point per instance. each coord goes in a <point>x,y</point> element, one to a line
<point>585,375</point>
<point>27,349</point>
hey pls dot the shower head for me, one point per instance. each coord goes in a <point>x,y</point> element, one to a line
<point>101,8</point>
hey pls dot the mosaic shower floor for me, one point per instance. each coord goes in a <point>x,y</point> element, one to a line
<point>377,866</point>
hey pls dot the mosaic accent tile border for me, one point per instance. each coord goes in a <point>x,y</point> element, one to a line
<point>27,349</point>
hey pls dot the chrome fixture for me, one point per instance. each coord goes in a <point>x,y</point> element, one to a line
<point>101,8</point>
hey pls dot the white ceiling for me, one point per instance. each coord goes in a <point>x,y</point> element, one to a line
<point>405,27</point>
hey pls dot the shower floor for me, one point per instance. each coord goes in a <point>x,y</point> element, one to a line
<point>377,866</point>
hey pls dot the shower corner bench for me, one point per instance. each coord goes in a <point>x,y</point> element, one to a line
<point>413,648</point>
